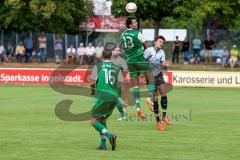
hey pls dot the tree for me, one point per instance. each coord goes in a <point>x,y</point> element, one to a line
<point>185,13</point>
<point>153,11</point>
<point>43,15</point>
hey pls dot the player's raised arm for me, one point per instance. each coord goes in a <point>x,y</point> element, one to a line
<point>141,38</point>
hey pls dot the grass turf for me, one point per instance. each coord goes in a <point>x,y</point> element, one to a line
<point>30,130</point>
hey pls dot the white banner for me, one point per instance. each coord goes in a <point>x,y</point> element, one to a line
<point>205,79</point>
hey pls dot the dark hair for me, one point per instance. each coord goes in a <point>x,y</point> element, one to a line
<point>159,37</point>
<point>107,53</point>
<point>129,20</point>
<point>108,49</point>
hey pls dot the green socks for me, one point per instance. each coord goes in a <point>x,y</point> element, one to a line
<point>102,129</point>
<point>136,96</point>
<point>151,88</point>
<point>120,108</point>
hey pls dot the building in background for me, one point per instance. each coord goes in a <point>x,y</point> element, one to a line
<point>102,7</point>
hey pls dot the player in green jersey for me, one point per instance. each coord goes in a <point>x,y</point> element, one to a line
<point>132,42</point>
<point>107,76</point>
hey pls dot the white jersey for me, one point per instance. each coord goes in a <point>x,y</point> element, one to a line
<point>155,58</point>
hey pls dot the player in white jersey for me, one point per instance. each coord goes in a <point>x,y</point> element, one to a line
<point>156,58</point>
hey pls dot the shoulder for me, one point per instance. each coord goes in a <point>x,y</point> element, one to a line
<point>149,50</point>
<point>162,51</point>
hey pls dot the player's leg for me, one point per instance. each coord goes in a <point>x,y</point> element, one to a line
<point>112,138</point>
<point>103,137</point>
<point>151,89</point>
<point>141,66</point>
<point>120,105</point>
<point>150,84</point>
<point>100,112</point>
<point>100,125</point>
<point>133,72</point>
<point>96,123</point>
<point>164,103</point>
<point>120,108</point>
<point>136,95</point>
<point>156,111</point>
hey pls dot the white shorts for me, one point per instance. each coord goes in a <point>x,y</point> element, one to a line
<point>234,60</point>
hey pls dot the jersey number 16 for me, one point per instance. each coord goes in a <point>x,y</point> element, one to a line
<point>109,78</point>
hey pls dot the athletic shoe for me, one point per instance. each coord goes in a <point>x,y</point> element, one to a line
<point>149,103</point>
<point>102,148</point>
<point>164,119</point>
<point>122,118</point>
<point>160,126</point>
<point>141,114</point>
<point>113,141</point>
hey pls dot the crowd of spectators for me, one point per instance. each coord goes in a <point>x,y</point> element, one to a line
<point>225,57</point>
<point>25,51</point>
<point>195,51</point>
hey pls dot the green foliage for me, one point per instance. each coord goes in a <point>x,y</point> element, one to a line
<point>43,15</point>
<point>192,14</point>
<point>64,15</point>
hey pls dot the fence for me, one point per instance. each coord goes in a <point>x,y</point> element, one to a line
<point>83,37</point>
<point>221,37</point>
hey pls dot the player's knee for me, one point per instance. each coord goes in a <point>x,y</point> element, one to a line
<point>103,120</point>
<point>92,122</point>
<point>164,102</point>
<point>163,94</point>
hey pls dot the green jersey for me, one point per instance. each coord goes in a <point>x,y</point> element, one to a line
<point>107,76</point>
<point>131,41</point>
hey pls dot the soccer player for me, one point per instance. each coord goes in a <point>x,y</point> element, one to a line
<point>156,57</point>
<point>118,60</point>
<point>107,76</point>
<point>132,42</point>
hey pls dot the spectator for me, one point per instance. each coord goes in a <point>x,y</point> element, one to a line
<point>208,45</point>
<point>81,52</point>
<point>176,50</point>
<point>233,56</point>
<point>58,49</point>
<point>99,50</point>
<point>185,50</point>
<point>28,44</point>
<point>9,54</point>
<point>90,53</point>
<point>70,55</point>
<point>42,41</point>
<point>196,48</point>
<point>20,51</point>
<point>2,51</point>
<point>225,56</point>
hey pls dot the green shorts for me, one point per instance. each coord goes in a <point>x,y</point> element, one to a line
<point>139,66</point>
<point>103,109</point>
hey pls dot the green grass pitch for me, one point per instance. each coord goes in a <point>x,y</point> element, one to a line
<point>29,129</point>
